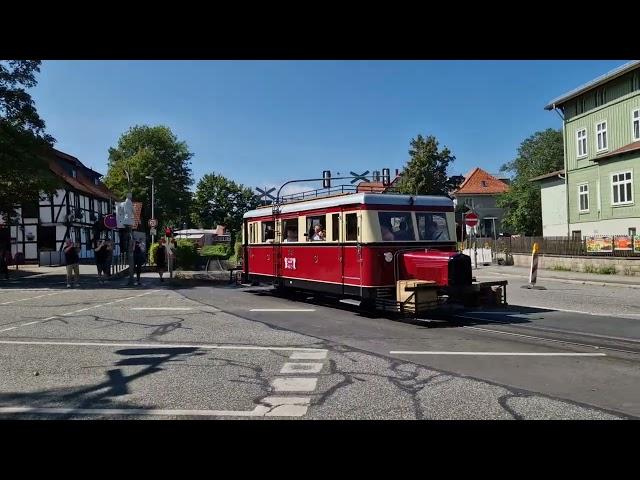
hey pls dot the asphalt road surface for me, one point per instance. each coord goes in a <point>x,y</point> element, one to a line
<point>203,351</point>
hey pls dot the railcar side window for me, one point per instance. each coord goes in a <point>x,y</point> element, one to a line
<point>351,219</point>
<point>432,226</point>
<point>290,230</point>
<point>335,227</point>
<point>316,229</point>
<point>396,226</point>
<point>268,232</point>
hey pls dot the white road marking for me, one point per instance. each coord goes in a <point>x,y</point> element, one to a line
<point>565,342</point>
<point>162,345</point>
<point>301,367</point>
<point>269,406</point>
<point>558,330</point>
<point>525,354</point>
<point>619,315</point>
<point>30,298</point>
<point>294,384</point>
<point>562,280</point>
<point>319,355</point>
<point>75,311</point>
<point>287,406</point>
<point>162,308</point>
<point>282,310</point>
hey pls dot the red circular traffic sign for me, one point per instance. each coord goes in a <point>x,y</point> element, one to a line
<point>471,219</point>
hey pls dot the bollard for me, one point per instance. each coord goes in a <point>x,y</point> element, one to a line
<point>533,272</point>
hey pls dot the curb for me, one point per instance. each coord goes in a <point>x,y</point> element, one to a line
<point>570,280</point>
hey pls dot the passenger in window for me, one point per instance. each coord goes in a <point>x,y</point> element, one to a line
<point>387,234</point>
<point>292,236</point>
<point>270,235</point>
<point>434,232</point>
<point>317,234</point>
<point>403,232</point>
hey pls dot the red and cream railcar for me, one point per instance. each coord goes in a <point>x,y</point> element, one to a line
<point>355,246</point>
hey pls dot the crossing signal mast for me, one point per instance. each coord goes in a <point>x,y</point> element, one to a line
<point>326,179</point>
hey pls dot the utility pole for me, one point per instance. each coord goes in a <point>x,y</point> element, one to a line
<point>153,202</point>
<point>128,204</point>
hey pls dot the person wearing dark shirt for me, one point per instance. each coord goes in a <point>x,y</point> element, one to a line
<point>100,253</point>
<point>138,260</point>
<point>161,259</point>
<point>72,261</point>
<point>5,261</point>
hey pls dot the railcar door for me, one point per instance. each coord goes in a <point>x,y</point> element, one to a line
<point>352,253</point>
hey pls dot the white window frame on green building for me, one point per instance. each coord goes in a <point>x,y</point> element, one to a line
<point>601,137</point>
<point>583,194</point>
<point>635,124</point>
<point>618,186</point>
<point>581,141</point>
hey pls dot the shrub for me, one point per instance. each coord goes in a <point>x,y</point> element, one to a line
<point>238,248</point>
<point>605,270</point>
<point>186,254</point>
<point>152,253</point>
<point>217,251</point>
<point>560,268</point>
<point>610,270</point>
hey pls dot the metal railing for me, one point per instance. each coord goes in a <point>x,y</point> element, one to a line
<point>568,246</point>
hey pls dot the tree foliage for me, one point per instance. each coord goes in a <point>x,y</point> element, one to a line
<point>152,151</point>
<point>24,144</point>
<point>219,200</point>
<point>541,153</point>
<point>426,170</point>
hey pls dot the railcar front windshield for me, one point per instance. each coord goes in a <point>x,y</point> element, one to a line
<point>398,226</point>
<point>432,226</point>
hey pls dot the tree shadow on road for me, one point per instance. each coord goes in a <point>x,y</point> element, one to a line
<point>102,395</point>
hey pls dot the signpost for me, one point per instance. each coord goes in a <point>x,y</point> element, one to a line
<point>471,220</point>
<point>153,223</point>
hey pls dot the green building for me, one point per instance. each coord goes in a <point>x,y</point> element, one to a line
<point>600,183</point>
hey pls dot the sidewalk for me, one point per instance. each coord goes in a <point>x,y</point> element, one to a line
<point>591,278</point>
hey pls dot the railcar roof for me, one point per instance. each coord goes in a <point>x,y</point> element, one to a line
<point>355,198</point>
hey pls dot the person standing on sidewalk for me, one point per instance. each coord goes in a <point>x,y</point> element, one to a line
<point>161,259</point>
<point>109,258</point>
<point>5,261</point>
<point>138,260</point>
<point>100,253</point>
<point>72,260</point>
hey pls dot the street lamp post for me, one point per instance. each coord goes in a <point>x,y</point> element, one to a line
<point>153,190</point>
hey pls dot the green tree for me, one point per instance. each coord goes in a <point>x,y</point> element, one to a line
<point>24,145</point>
<point>219,200</point>
<point>426,170</point>
<point>145,151</point>
<point>541,153</point>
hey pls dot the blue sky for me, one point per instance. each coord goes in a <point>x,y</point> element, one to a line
<point>266,122</point>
